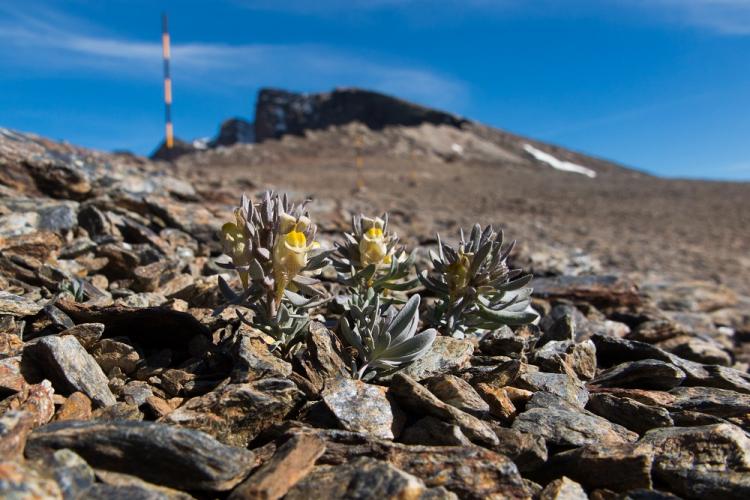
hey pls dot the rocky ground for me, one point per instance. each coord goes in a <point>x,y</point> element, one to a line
<point>633,385</point>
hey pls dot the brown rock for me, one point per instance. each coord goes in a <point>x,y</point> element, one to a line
<point>324,357</point>
<point>37,400</point>
<point>86,333</point>
<point>11,379</point>
<point>457,392</point>
<point>15,426</point>
<point>10,343</point>
<point>119,411</point>
<point>642,374</point>
<point>619,467</point>
<point>292,462</point>
<point>629,413</point>
<point>76,407</point>
<point>601,291</point>
<point>158,407</point>
<point>498,400</point>
<point>416,398</point>
<point>253,359</point>
<point>563,489</point>
<point>118,485</point>
<point>711,461</point>
<point>363,478</point>
<point>110,353</point>
<point>526,450</point>
<point>235,414</point>
<point>434,432</point>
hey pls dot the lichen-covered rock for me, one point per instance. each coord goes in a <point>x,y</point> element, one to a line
<point>445,356</point>
<point>23,480</point>
<point>361,407</point>
<point>15,426</point>
<point>15,305</point>
<point>36,399</point>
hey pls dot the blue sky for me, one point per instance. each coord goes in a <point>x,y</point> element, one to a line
<point>661,85</point>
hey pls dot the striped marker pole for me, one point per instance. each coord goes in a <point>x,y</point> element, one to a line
<point>359,161</point>
<point>169,130</point>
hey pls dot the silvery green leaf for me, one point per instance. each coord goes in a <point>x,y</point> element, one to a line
<point>478,259</point>
<point>318,261</point>
<point>382,341</point>
<point>412,348</point>
<point>352,338</point>
<point>404,320</point>
<point>256,270</point>
<point>515,284</point>
<point>506,317</point>
<point>296,299</point>
<point>226,290</point>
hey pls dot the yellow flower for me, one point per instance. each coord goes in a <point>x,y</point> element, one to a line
<point>290,257</point>
<point>458,274</point>
<point>372,247</point>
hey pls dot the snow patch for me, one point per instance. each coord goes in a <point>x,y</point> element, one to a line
<point>553,162</point>
<point>201,143</point>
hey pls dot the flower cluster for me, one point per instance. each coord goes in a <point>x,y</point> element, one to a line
<point>271,244</point>
<point>370,257</point>
<point>476,289</point>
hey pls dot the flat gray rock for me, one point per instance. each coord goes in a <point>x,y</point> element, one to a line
<point>562,423</point>
<point>71,368</point>
<point>642,374</point>
<point>629,413</point>
<point>162,454</point>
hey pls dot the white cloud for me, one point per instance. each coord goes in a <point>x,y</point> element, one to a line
<point>56,43</point>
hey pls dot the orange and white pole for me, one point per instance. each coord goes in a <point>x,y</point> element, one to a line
<point>169,130</point>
